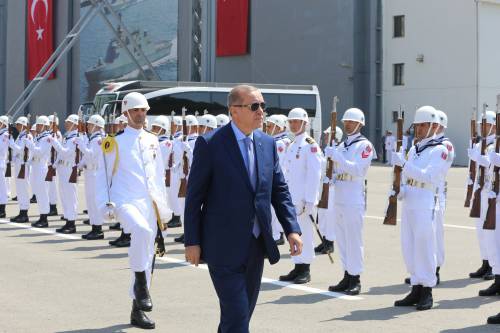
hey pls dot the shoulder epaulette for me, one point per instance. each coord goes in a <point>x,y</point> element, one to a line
<point>310,140</point>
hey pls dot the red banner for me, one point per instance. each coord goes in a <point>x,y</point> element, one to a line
<point>232,27</point>
<point>39,35</point>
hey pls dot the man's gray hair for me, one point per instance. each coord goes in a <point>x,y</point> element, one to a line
<point>235,95</point>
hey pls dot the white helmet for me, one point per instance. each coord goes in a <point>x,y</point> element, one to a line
<point>442,118</point>
<point>208,120</point>
<point>177,120</point>
<point>491,117</point>
<point>426,114</point>
<point>222,120</point>
<point>277,120</point>
<point>134,100</point>
<point>51,119</point>
<point>338,133</point>
<point>162,121</point>
<point>354,114</point>
<point>43,120</point>
<point>4,120</point>
<point>191,120</point>
<point>298,114</point>
<point>33,127</point>
<point>72,118</point>
<point>22,121</point>
<point>96,120</point>
<point>121,119</point>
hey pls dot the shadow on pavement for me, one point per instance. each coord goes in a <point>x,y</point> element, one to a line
<point>110,256</point>
<point>300,299</point>
<point>464,303</point>
<point>92,248</point>
<point>110,329</point>
<point>57,241</point>
<point>479,328</point>
<point>388,313</point>
<point>396,289</point>
<point>459,283</point>
<point>168,265</point>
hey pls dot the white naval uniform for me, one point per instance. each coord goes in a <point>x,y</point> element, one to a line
<point>282,142</point>
<point>55,184</point>
<point>486,238</point>
<point>496,243</point>
<point>4,149</point>
<point>175,174</point>
<point>91,162</point>
<point>66,153</point>
<point>137,180</point>
<point>187,147</point>
<point>40,155</point>
<point>350,201</point>
<point>22,185</point>
<point>166,149</point>
<point>326,217</point>
<point>390,146</point>
<point>302,171</point>
<point>442,190</point>
<point>421,176</point>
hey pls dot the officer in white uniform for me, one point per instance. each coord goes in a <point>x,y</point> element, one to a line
<point>326,217</point>
<point>66,153</point>
<point>4,148</point>
<point>40,154</point>
<point>390,146</point>
<point>21,158</point>
<point>276,127</point>
<point>91,151</point>
<point>222,120</point>
<point>161,127</point>
<point>175,172</point>
<point>302,171</point>
<point>485,237</point>
<point>34,134</point>
<point>351,158</point>
<point>52,185</point>
<point>422,175</point>
<point>134,166</point>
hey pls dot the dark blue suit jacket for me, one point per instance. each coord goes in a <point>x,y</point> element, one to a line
<point>221,204</point>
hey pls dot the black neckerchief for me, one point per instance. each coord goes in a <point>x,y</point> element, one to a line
<point>42,135</point>
<point>356,140</point>
<point>431,143</point>
<point>95,135</point>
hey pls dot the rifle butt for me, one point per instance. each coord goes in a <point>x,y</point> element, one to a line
<point>490,221</point>
<point>8,170</point>
<point>74,175</point>
<point>392,211</point>
<point>167,178</point>
<point>468,196</point>
<point>183,188</point>
<point>475,210</point>
<point>22,172</point>
<point>323,202</point>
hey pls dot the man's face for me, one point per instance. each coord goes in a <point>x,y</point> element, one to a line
<point>422,130</point>
<point>68,126</point>
<point>19,127</point>
<point>296,126</point>
<point>136,117</point>
<point>351,127</point>
<point>156,129</point>
<point>272,128</point>
<point>39,128</point>
<point>244,117</point>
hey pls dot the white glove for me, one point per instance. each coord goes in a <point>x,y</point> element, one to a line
<point>186,147</point>
<point>398,159</point>
<point>483,161</point>
<point>299,209</point>
<point>494,158</point>
<point>80,141</point>
<point>55,143</point>
<point>329,151</point>
<point>109,211</point>
<point>472,153</point>
<point>308,208</point>
<point>11,141</point>
<point>28,143</point>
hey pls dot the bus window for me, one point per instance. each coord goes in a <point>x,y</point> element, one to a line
<point>272,104</point>
<point>307,102</point>
<point>192,101</point>
<point>219,102</point>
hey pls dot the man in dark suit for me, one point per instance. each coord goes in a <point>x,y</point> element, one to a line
<point>234,179</point>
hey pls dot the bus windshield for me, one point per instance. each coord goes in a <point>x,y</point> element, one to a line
<point>102,99</point>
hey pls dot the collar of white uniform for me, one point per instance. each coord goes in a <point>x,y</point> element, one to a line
<point>133,131</point>
<point>300,136</point>
<point>70,133</point>
<point>425,141</point>
<point>439,136</point>
<point>351,138</point>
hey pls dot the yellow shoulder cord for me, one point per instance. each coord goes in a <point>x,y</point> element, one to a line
<point>108,145</point>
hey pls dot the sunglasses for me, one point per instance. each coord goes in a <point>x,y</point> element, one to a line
<point>254,106</point>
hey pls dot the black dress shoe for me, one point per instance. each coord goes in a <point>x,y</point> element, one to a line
<point>342,285</point>
<point>2,211</point>
<point>281,240</point>
<point>290,276</point>
<point>85,211</point>
<point>489,274</point>
<point>303,275</point>
<point>21,218</point>
<point>87,222</point>
<point>494,319</point>
<point>33,199</point>
<point>175,222</point>
<point>480,273</point>
<point>115,226</point>
<point>139,319</point>
<point>124,241</point>
<point>14,198</point>
<point>492,290</point>
<point>141,292</point>
<point>179,239</point>
<point>42,222</point>
<point>53,210</point>
<point>68,228</point>
<point>354,287</point>
<point>412,298</point>
<point>426,301</point>
<point>95,233</point>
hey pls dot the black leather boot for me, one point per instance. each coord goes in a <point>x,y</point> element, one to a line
<point>342,285</point>
<point>139,319</point>
<point>141,292</point>
<point>354,287</point>
<point>33,199</point>
<point>124,241</point>
<point>22,217</point>
<point>304,274</point>
<point>68,228</point>
<point>412,298</point>
<point>2,211</point>
<point>426,301</point>
<point>492,290</point>
<point>290,276</point>
<point>53,210</point>
<point>115,226</point>
<point>42,222</point>
<point>489,274</point>
<point>179,239</point>
<point>494,319</point>
<point>113,242</point>
<point>95,233</point>
<point>175,222</point>
<point>479,274</point>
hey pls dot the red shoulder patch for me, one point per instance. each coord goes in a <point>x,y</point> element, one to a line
<point>314,149</point>
<point>280,149</point>
<point>444,156</point>
<point>365,153</point>
<point>168,143</point>
<point>449,147</point>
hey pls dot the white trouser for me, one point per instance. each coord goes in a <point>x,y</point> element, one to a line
<point>40,186</point>
<point>10,190</point>
<point>418,243</point>
<point>496,235</point>
<point>326,218</point>
<point>53,191</point>
<point>440,232</point>
<point>486,238</point>
<point>349,234</point>
<point>22,188</point>
<point>306,227</point>
<point>90,195</point>
<point>4,191</point>
<point>68,192</point>
<point>59,185</point>
<point>173,194</point>
<point>275,225</point>
<point>138,219</point>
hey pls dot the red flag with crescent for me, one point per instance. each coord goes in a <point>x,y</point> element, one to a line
<point>39,35</point>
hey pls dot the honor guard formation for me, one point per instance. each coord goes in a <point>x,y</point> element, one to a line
<point>136,178</point>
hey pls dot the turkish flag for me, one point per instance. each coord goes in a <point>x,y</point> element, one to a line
<point>39,35</point>
<point>232,27</point>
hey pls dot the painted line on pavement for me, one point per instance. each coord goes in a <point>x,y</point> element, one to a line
<point>446,225</point>
<point>303,288</point>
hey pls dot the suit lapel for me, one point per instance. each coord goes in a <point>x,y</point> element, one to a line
<point>234,153</point>
<point>259,156</point>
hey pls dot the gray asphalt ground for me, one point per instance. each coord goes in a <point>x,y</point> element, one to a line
<point>50,283</point>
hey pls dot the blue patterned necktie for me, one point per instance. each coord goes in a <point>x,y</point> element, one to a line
<point>250,164</point>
